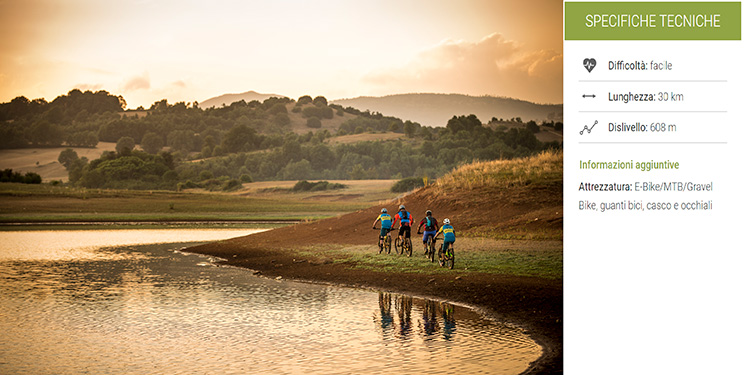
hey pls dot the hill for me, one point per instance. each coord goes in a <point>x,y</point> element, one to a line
<point>519,198</point>
<point>43,160</point>
<point>228,99</point>
<point>437,109</point>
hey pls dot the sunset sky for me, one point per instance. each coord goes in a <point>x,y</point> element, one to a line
<point>193,50</point>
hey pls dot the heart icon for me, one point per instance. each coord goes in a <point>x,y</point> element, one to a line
<point>589,64</point>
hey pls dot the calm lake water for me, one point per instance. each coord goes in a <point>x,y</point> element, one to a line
<point>130,302</point>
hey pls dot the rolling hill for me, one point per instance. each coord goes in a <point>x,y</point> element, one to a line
<point>437,109</point>
<point>228,99</point>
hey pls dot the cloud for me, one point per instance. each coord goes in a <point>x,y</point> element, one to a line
<point>491,66</point>
<point>141,82</point>
<point>89,87</point>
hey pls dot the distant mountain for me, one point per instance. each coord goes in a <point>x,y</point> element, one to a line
<point>437,109</point>
<point>229,99</point>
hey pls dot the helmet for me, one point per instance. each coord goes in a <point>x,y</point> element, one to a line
<point>401,207</point>
<point>429,213</point>
<point>384,210</point>
<point>446,221</point>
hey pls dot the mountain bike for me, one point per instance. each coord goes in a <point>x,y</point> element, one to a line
<point>447,257</point>
<point>386,245</point>
<point>403,247</point>
<point>429,250</point>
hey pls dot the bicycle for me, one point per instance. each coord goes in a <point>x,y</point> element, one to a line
<point>386,245</point>
<point>447,258</point>
<point>429,250</point>
<point>403,247</point>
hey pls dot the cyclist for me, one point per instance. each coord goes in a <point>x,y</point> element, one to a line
<point>430,228</point>
<point>448,234</point>
<point>385,225</point>
<point>404,218</point>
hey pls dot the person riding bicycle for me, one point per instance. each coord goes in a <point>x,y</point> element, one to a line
<point>404,218</point>
<point>385,225</point>
<point>430,228</point>
<point>448,234</point>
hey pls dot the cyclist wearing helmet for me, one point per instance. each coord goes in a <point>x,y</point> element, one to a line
<point>430,228</point>
<point>385,224</point>
<point>448,234</point>
<point>404,217</point>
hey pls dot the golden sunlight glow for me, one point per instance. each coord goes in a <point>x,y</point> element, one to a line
<point>193,50</point>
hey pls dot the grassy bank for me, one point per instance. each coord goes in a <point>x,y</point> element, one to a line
<point>541,169</point>
<point>46,203</point>
<point>496,257</point>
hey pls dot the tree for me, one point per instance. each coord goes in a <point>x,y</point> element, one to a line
<point>206,151</point>
<point>277,109</point>
<point>394,127</point>
<point>75,171</point>
<point>240,138</point>
<point>299,170</point>
<point>181,140</point>
<point>282,119</point>
<point>313,122</point>
<point>67,158</point>
<point>91,139</point>
<point>532,127</point>
<point>320,101</point>
<point>45,133</point>
<point>124,144</point>
<point>305,99</point>
<point>410,129</point>
<point>152,143</point>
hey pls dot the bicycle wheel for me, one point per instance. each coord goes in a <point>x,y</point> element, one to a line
<point>380,246</point>
<point>430,249</point>
<point>407,249</point>
<point>440,257</point>
<point>450,258</point>
<point>387,244</point>
<point>398,245</point>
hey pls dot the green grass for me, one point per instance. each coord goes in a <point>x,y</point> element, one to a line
<point>516,258</point>
<point>40,203</point>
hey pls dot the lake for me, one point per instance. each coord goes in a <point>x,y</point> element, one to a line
<point>133,302</point>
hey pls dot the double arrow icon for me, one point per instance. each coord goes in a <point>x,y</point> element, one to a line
<point>588,96</point>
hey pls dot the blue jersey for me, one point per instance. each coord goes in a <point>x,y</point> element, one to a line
<point>448,233</point>
<point>385,221</point>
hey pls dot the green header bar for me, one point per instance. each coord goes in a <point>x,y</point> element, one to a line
<point>652,21</point>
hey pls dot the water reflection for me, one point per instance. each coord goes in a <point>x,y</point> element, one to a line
<point>153,309</point>
<point>403,307</point>
<point>434,315</point>
<point>448,318</point>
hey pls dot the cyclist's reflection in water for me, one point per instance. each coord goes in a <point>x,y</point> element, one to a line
<point>429,318</point>
<point>448,320</point>
<point>429,324</point>
<point>403,307</point>
<point>386,319</point>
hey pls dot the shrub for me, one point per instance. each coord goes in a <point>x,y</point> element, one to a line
<point>232,184</point>
<point>407,184</point>
<point>316,186</point>
<point>8,175</point>
<point>313,122</point>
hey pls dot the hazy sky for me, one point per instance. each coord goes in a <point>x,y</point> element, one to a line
<point>186,50</point>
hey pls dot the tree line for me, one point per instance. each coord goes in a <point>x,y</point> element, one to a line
<point>220,148</point>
